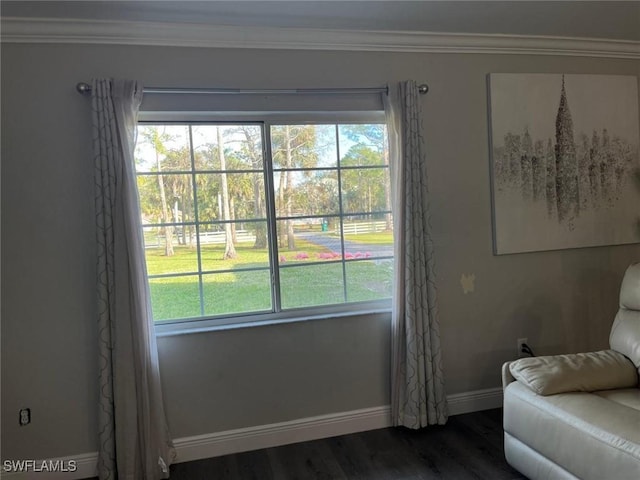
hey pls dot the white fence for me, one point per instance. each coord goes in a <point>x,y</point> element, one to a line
<point>206,238</point>
<point>156,241</point>
<point>363,227</point>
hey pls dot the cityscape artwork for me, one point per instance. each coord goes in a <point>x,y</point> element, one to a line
<point>564,161</point>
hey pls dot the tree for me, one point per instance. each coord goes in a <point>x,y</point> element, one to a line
<point>156,139</point>
<point>181,188</point>
<point>286,187</point>
<point>319,195</point>
<point>365,192</point>
<point>375,137</point>
<point>229,247</point>
<point>253,151</point>
<point>293,146</point>
<point>208,186</point>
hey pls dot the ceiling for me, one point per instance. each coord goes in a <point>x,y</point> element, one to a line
<point>589,19</point>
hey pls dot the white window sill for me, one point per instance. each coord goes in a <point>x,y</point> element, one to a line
<point>170,329</point>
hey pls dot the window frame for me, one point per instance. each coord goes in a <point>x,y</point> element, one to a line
<point>266,120</point>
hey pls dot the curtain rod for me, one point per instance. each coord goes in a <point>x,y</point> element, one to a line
<point>424,88</point>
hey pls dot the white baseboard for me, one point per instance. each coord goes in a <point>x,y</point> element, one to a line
<point>275,434</point>
<point>469,402</point>
<point>313,428</point>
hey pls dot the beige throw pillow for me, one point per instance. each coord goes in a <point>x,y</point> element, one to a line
<point>579,372</point>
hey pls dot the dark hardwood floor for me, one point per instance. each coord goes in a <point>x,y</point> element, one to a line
<point>468,447</point>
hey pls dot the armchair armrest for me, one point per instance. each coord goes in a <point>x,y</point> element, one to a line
<point>579,372</point>
<point>507,378</point>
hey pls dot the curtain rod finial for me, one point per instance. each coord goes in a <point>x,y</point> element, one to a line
<point>83,87</point>
<point>422,89</point>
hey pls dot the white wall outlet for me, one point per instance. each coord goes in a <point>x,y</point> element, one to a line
<point>25,416</point>
<point>521,341</point>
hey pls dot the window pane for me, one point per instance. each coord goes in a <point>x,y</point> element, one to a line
<point>245,196</point>
<point>166,198</point>
<point>311,285</point>
<point>368,236</point>
<point>250,249</point>
<point>303,146</point>
<point>178,255</point>
<point>237,292</point>
<point>241,147</point>
<point>162,148</point>
<point>365,190</point>
<point>331,217</point>
<point>302,193</point>
<point>175,297</point>
<point>308,239</point>
<point>369,279</point>
<point>363,145</point>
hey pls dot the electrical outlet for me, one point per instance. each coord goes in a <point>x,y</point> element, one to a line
<point>25,416</point>
<point>521,341</point>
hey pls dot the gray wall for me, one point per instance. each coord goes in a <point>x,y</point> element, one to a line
<point>563,301</point>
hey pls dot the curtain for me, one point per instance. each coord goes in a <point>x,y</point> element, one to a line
<point>417,392</point>
<point>134,441</point>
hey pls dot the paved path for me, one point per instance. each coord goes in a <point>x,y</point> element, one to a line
<point>332,242</point>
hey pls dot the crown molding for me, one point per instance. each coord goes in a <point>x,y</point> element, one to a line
<point>75,31</point>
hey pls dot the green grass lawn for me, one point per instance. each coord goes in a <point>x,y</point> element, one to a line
<point>185,259</point>
<point>378,238</point>
<point>250,291</point>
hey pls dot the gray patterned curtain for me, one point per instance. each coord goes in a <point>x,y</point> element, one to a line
<point>134,441</point>
<point>418,396</point>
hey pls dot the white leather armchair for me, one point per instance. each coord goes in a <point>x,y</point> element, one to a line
<point>578,416</point>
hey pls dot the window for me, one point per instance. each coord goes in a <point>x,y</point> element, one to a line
<point>256,220</point>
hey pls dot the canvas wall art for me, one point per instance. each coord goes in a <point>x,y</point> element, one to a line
<point>565,168</point>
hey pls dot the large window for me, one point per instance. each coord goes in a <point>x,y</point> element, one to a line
<point>249,221</point>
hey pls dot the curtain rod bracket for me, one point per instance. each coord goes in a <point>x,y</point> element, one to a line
<point>423,89</point>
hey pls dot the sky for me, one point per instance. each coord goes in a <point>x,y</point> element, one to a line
<point>519,101</point>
